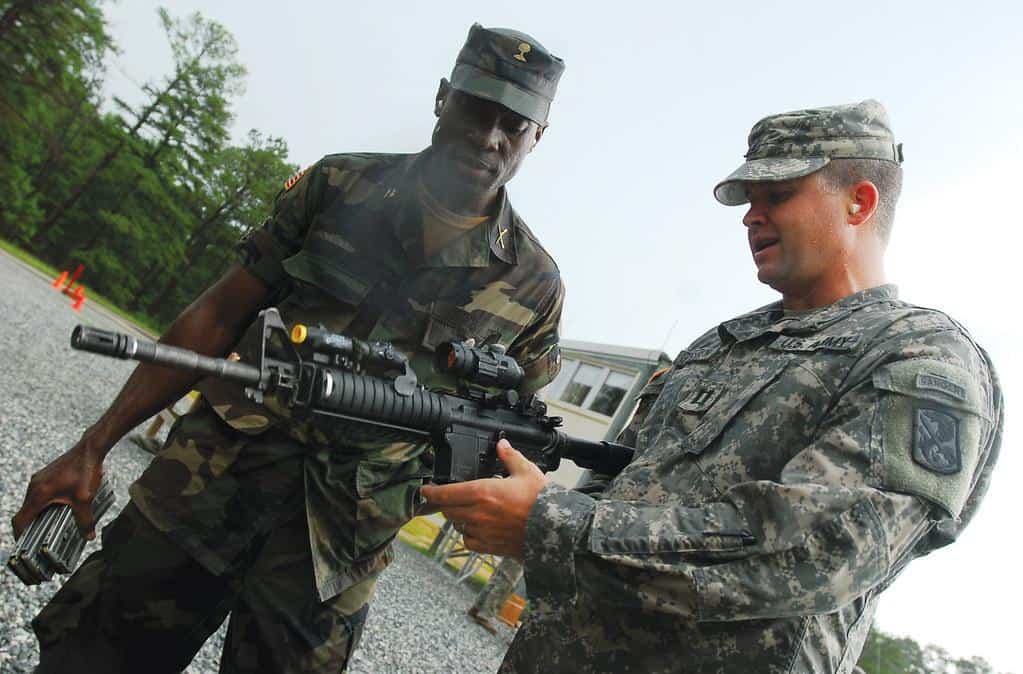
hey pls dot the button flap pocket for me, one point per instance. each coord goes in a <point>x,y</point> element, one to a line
<point>373,475</point>
<point>727,405</point>
<point>933,380</point>
<point>386,501</point>
<point>450,322</point>
<point>327,276</point>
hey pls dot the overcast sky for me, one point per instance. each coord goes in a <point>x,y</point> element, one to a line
<point>653,109</point>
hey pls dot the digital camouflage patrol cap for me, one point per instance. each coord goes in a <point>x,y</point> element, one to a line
<point>510,68</point>
<point>795,144</point>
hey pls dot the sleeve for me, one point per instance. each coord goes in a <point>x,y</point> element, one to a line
<point>262,250</point>
<point>536,349</point>
<point>843,518</point>
<point>644,401</point>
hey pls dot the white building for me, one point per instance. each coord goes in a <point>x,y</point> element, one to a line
<point>596,390</point>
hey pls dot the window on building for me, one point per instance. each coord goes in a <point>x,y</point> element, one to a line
<point>611,393</point>
<point>585,379</point>
<point>591,387</point>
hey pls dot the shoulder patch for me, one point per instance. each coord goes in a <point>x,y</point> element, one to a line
<point>928,429</point>
<point>937,382</point>
<point>653,386</point>
<point>936,441</point>
<point>290,182</point>
<point>658,374</point>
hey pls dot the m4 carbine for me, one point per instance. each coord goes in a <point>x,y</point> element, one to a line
<point>318,373</point>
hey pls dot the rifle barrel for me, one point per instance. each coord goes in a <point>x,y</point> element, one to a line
<point>604,457</point>
<point>126,347</point>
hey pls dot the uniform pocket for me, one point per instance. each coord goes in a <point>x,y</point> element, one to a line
<point>720,407</point>
<point>928,430</point>
<point>449,322</point>
<point>322,273</point>
<point>386,500</point>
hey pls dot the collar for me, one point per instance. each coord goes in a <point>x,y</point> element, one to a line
<point>772,318</point>
<point>498,235</point>
<point>503,234</point>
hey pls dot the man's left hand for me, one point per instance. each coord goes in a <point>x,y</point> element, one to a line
<point>491,514</point>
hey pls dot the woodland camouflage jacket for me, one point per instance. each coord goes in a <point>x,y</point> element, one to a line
<point>344,249</point>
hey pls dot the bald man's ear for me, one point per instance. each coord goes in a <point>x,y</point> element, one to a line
<point>443,89</point>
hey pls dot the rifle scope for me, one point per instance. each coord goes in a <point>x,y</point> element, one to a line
<point>488,366</point>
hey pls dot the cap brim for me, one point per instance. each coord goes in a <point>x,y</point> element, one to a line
<point>732,192</point>
<point>476,82</point>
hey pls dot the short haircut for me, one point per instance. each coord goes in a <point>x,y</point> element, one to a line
<point>886,176</point>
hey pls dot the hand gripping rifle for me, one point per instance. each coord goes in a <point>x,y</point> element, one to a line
<point>318,373</point>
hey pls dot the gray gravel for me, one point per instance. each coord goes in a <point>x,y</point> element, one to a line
<point>50,394</point>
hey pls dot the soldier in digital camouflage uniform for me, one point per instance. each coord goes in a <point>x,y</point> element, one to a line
<point>286,525</point>
<point>789,466</point>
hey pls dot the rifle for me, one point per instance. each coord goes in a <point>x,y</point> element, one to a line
<point>317,373</point>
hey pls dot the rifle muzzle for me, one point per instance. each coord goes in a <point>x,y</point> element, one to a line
<point>103,342</point>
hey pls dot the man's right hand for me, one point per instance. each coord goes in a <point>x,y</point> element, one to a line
<point>72,478</point>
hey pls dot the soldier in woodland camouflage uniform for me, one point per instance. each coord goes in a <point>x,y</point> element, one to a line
<point>488,602</point>
<point>287,524</point>
<point>789,466</point>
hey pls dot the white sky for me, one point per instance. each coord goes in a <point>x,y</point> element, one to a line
<point>653,109</point>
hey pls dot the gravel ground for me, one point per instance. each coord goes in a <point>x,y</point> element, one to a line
<point>51,393</point>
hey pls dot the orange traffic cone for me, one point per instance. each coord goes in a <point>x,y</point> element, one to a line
<point>74,277</point>
<point>79,298</point>
<point>59,281</point>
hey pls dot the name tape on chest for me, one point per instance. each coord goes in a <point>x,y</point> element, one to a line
<point>836,343</point>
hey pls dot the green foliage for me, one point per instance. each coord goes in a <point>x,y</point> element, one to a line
<point>152,197</point>
<point>887,654</point>
<point>50,69</point>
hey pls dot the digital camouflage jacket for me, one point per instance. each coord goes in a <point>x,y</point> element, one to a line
<point>788,468</point>
<point>344,249</point>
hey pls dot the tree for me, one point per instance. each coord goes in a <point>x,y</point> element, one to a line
<point>886,654</point>
<point>188,113</point>
<point>51,65</point>
<point>238,191</point>
<point>150,197</point>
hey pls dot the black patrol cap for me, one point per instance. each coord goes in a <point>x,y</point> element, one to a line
<point>510,68</point>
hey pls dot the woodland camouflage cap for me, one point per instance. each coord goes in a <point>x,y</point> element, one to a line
<point>795,144</point>
<point>510,68</point>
